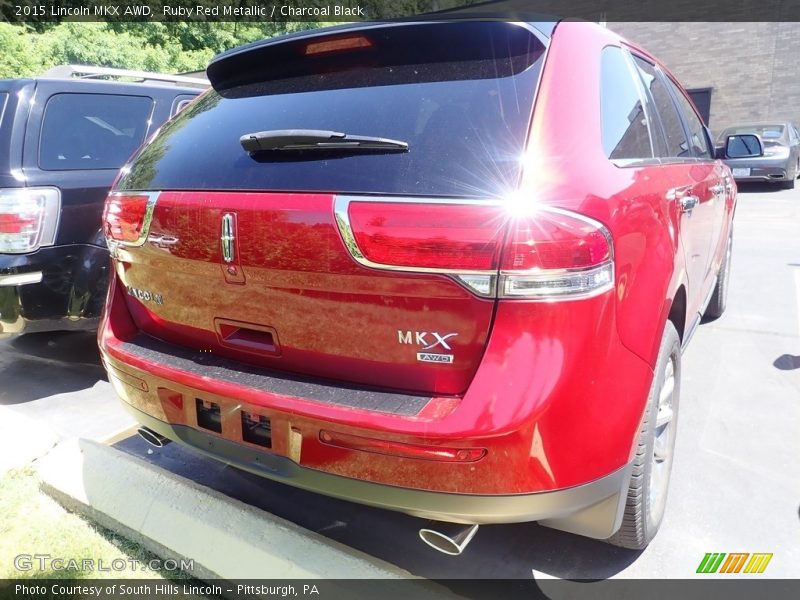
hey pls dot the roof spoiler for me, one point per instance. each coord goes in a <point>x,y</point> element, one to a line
<point>337,49</point>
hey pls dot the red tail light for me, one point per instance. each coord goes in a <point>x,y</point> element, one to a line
<point>554,240</point>
<point>547,254</point>
<point>126,217</point>
<point>428,236</point>
<point>15,223</point>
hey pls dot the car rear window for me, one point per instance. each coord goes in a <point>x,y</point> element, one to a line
<point>767,132</point>
<point>92,131</point>
<point>460,95</point>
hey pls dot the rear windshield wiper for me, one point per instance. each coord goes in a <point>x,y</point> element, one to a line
<point>298,140</point>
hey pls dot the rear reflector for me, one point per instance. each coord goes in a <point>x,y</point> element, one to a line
<point>28,218</point>
<point>439,453</point>
<point>126,217</point>
<point>545,254</point>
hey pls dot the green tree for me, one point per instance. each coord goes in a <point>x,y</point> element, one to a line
<point>18,60</point>
<point>171,47</point>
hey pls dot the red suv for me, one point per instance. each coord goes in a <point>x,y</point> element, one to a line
<point>442,268</point>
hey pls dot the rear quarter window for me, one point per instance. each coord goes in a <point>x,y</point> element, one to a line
<point>625,127</point>
<point>92,131</point>
<point>697,136</point>
<point>676,144</point>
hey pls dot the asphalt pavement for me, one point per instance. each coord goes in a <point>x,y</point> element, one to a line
<point>735,484</point>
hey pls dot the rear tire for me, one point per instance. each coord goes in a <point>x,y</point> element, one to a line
<point>788,184</point>
<point>647,492</point>
<point>719,298</point>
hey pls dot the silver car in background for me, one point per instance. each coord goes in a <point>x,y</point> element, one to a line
<point>780,162</point>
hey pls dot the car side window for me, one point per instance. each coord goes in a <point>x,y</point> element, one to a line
<point>677,146</point>
<point>92,131</point>
<point>697,136</point>
<point>625,127</point>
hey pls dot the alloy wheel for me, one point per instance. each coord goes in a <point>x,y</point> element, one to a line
<point>663,443</point>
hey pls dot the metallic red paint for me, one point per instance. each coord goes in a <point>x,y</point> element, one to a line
<point>554,391</point>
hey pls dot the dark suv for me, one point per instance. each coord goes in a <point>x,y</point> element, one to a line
<point>62,143</point>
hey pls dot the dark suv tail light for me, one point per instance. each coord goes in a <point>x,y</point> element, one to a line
<point>28,218</point>
<point>546,254</point>
<point>127,215</point>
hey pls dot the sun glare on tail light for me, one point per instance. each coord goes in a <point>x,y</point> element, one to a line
<point>126,217</point>
<point>550,240</point>
<point>28,218</point>
<point>556,254</point>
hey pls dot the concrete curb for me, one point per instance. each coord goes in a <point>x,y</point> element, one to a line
<point>177,518</point>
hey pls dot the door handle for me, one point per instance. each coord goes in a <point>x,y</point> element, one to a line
<point>688,202</point>
<point>718,189</point>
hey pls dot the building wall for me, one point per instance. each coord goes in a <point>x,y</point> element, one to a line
<point>752,68</point>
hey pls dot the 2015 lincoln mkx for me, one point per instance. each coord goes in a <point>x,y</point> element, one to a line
<point>444,268</point>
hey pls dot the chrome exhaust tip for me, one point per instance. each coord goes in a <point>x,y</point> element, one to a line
<point>152,438</point>
<point>448,538</point>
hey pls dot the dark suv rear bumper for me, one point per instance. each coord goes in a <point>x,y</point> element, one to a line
<point>57,288</point>
<point>593,509</point>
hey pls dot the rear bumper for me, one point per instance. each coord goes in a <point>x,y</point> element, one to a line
<point>557,431</point>
<point>57,288</point>
<point>593,510</point>
<point>763,169</point>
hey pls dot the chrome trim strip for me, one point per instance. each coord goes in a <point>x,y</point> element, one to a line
<point>20,279</point>
<point>152,198</point>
